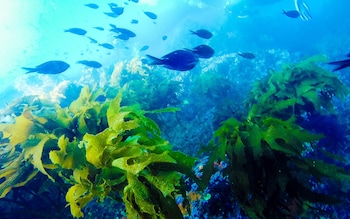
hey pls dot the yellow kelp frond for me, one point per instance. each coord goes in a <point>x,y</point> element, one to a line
<point>138,162</point>
<point>16,174</point>
<point>33,153</point>
<point>19,132</point>
<point>77,197</point>
<point>144,200</point>
<point>70,156</point>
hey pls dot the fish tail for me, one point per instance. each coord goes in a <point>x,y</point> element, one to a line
<point>29,70</point>
<point>341,64</point>
<point>154,60</point>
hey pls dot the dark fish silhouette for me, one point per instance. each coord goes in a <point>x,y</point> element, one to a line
<point>136,1</point>
<point>164,37</point>
<point>341,64</point>
<point>92,64</point>
<point>122,37</point>
<point>205,34</point>
<point>180,60</point>
<point>144,48</point>
<point>77,31</point>
<point>107,45</point>
<point>124,31</point>
<point>246,55</point>
<point>50,67</point>
<point>151,15</point>
<point>92,5</point>
<point>92,40</point>
<point>291,14</point>
<point>134,21</point>
<point>115,9</point>
<point>203,51</point>
<point>111,14</point>
<point>99,28</point>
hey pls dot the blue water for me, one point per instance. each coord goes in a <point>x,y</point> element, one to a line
<point>33,32</point>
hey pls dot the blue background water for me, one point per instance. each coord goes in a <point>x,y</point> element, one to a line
<point>32,32</point>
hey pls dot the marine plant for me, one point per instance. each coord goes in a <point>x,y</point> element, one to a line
<point>296,89</point>
<point>99,149</point>
<point>267,169</point>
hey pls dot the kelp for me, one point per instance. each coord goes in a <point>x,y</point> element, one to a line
<point>296,89</point>
<point>100,149</point>
<point>265,153</point>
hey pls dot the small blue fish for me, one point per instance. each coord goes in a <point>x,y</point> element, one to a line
<point>180,60</point>
<point>92,5</point>
<point>144,48</point>
<point>246,55</point>
<point>136,1</point>
<point>151,15</point>
<point>77,31</point>
<point>92,40</point>
<point>99,28</point>
<point>164,37</point>
<point>291,14</point>
<point>50,67</point>
<point>202,33</point>
<point>92,64</point>
<point>203,51</point>
<point>111,14</point>
<point>122,37</point>
<point>107,45</point>
<point>123,31</point>
<point>341,64</point>
<point>115,9</point>
<point>134,21</point>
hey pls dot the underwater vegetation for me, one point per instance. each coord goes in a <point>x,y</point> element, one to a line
<point>98,149</point>
<point>103,146</point>
<point>267,169</point>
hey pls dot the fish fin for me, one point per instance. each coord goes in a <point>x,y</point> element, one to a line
<point>29,70</point>
<point>193,32</point>
<point>155,61</point>
<point>342,64</point>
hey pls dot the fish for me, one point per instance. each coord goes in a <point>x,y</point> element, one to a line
<point>164,37</point>
<point>111,14</point>
<point>92,5</point>
<point>115,9</point>
<point>99,28</point>
<point>151,15</point>
<point>144,48</point>
<point>203,51</point>
<point>136,1</point>
<point>107,45</point>
<point>92,64</point>
<point>180,60</point>
<point>50,67</point>
<point>124,31</point>
<point>92,40</point>
<point>122,37</point>
<point>341,64</point>
<point>291,14</point>
<point>205,34</point>
<point>134,21</point>
<point>246,55</point>
<point>77,31</point>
